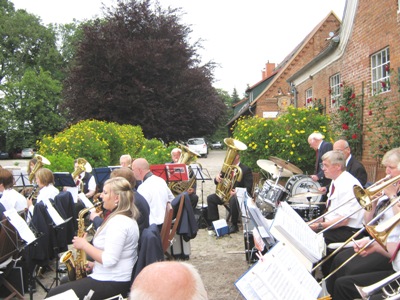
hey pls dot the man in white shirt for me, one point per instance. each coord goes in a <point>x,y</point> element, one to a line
<point>154,189</point>
<point>340,204</point>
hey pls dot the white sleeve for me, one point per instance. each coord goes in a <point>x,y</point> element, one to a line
<point>92,184</point>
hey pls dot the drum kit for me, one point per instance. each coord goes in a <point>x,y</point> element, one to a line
<point>300,190</point>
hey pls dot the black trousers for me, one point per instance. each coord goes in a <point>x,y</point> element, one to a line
<point>102,289</point>
<point>213,201</point>
<point>345,289</point>
<point>335,235</point>
<point>374,262</point>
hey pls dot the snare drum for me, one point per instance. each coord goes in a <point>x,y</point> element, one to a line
<point>267,209</point>
<point>276,194</point>
<point>307,212</point>
<point>300,183</point>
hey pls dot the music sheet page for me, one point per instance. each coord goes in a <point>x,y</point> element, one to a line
<point>297,231</point>
<point>20,225</point>
<point>55,216</point>
<point>278,276</point>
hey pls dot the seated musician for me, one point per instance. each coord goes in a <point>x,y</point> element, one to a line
<point>139,201</point>
<point>45,180</point>
<point>10,198</point>
<point>125,161</point>
<point>114,247</point>
<point>341,202</point>
<point>376,261</point>
<point>194,199</point>
<point>214,200</point>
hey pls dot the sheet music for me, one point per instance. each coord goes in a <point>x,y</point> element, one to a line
<point>20,225</point>
<point>201,174</point>
<point>278,276</point>
<point>67,295</point>
<point>74,192</point>
<point>54,215</point>
<point>85,200</point>
<point>288,222</point>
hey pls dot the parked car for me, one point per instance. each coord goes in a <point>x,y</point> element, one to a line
<point>198,145</point>
<point>27,153</point>
<point>217,145</point>
<point>3,155</point>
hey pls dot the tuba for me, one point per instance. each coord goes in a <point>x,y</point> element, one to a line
<point>83,166</point>
<point>187,157</point>
<point>76,267</point>
<point>229,173</point>
<point>41,160</point>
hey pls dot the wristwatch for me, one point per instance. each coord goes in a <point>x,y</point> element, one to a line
<point>320,227</point>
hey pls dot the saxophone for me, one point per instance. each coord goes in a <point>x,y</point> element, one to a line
<point>76,268</point>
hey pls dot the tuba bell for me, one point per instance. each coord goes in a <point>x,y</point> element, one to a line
<point>40,161</point>
<point>187,157</point>
<point>83,166</point>
<point>229,173</point>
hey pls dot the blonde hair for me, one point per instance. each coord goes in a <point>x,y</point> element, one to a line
<point>121,187</point>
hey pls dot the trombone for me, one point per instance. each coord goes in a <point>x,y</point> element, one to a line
<point>377,217</point>
<point>363,196</point>
<point>379,232</point>
<point>385,285</point>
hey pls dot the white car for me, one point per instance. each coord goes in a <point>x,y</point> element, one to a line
<point>27,153</point>
<point>198,145</point>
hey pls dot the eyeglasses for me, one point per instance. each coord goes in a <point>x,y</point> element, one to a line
<point>342,149</point>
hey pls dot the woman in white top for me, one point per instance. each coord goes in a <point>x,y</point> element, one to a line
<point>45,182</point>
<point>114,248</point>
<point>11,198</point>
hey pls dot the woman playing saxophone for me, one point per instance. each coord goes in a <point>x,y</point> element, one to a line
<point>114,248</point>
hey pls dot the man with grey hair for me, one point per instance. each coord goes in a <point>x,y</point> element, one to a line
<point>340,204</point>
<point>168,280</point>
<point>125,161</point>
<point>353,166</point>
<point>316,141</point>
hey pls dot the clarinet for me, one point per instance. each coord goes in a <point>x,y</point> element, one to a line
<point>35,187</point>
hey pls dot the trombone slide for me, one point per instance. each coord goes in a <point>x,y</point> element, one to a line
<point>367,291</point>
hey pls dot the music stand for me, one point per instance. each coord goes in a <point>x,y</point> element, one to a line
<point>63,179</point>
<point>21,178</point>
<point>203,175</point>
<point>101,175</point>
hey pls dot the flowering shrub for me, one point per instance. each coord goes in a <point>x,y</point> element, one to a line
<point>346,120</point>
<point>284,137</point>
<point>100,143</point>
<point>155,152</point>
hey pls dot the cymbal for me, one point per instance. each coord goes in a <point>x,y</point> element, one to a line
<point>286,165</point>
<point>307,195</point>
<point>272,168</point>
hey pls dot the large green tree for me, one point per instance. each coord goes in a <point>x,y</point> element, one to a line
<point>137,67</point>
<point>31,71</point>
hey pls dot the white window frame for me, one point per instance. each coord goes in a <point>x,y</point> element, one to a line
<point>335,88</point>
<point>379,74</point>
<point>309,97</point>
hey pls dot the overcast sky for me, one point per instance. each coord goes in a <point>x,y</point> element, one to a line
<point>240,36</point>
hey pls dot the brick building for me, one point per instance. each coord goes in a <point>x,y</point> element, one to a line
<point>361,54</point>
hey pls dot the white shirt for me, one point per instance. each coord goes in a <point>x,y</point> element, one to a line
<point>157,193</point>
<point>344,193</point>
<point>119,242</point>
<point>12,199</point>
<point>395,233</point>
<point>46,192</point>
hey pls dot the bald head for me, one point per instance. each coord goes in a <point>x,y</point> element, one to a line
<point>342,145</point>
<point>140,168</point>
<point>168,280</point>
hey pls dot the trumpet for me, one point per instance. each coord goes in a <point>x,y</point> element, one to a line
<point>385,285</point>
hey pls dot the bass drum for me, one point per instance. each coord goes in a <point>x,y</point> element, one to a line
<point>299,184</point>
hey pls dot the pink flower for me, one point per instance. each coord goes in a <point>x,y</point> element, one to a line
<point>351,114</point>
<point>341,108</point>
<point>387,68</point>
<point>383,84</point>
<point>353,96</point>
<point>333,101</point>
